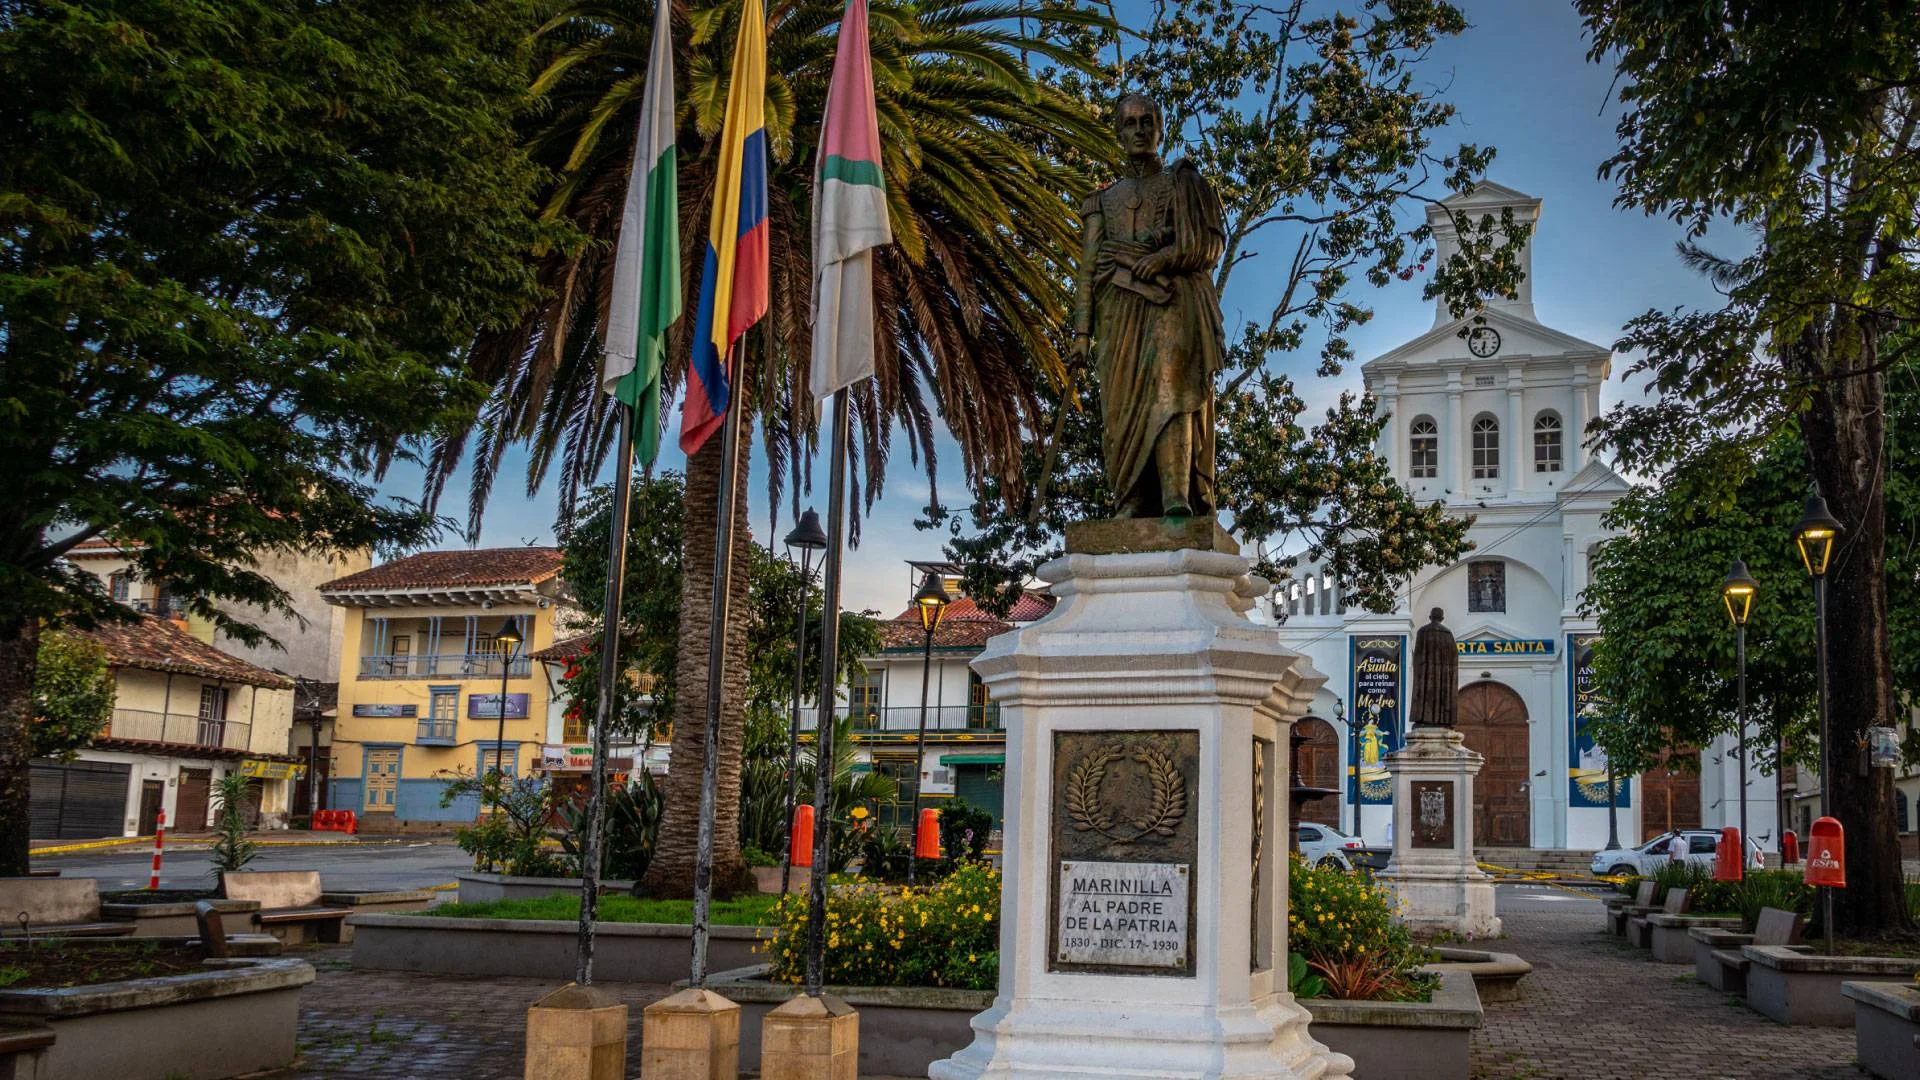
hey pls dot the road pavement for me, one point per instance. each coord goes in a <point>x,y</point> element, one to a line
<point>364,866</point>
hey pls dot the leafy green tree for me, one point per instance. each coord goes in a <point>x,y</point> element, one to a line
<point>982,209</point>
<point>1800,123</point>
<point>72,693</point>
<point>241,245</point>
<point>1317,129</point>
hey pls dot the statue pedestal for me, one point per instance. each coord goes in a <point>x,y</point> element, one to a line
<point>1143,909</point>
<point>1433,871</point>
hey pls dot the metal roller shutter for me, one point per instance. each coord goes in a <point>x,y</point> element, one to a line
<point>79,800</point>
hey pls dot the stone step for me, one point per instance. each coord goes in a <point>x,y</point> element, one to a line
<point>1554,860</point>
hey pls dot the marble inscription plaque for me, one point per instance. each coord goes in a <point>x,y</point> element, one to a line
<point>1432,813</point>
<point>1123,914</point>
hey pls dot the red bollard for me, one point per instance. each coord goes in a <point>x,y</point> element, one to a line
<point>1728,861</point>
<point>802,836</point>
<point>1789,848</point>
<point>927,841</point>
<point>159,841</point>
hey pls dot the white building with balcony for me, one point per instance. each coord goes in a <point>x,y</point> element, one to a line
<point>1485,415</point>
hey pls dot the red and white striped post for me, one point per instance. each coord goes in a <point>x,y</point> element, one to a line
<point>159,841</point>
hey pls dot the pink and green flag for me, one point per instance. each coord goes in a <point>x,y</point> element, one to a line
<point>646,265</point>
<point>849,215</point>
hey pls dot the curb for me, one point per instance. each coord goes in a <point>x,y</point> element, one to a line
<point>197,843</point>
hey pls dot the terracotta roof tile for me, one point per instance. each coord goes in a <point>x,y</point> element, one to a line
<point>153,644</point>
<point>572,648</point>
<point>1030,606</point>
<point>906,634</point>
<point>455,569</point>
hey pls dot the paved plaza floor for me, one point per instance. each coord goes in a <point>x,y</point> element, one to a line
<point>1593,1009</point>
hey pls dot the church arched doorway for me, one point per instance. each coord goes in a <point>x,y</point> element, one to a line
<point>1319,767</point>
<point>1493,721</point>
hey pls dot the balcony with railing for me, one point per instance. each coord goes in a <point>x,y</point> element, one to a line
<point>434,732</point>
<point>445,666</point>
<point>906,718</point>
<point>178,729</point>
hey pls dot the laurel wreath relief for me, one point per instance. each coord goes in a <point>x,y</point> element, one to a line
<point>1087,810</point>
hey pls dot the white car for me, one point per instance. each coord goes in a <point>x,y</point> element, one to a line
<point>1324,845</point>
<point>1650,856</point>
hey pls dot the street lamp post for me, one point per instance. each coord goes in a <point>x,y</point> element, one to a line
<point>1814,536</point>
<point>504,643</point>
<point>807,537</point>
<point>1738,592</point>
<point>1353,758</point>
<point>931,601</point>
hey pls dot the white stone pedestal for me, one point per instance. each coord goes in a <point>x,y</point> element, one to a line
<point>1433,871</point>
<point>1155,643</point>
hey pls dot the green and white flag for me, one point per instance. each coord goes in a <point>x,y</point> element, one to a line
<point>646,265</point>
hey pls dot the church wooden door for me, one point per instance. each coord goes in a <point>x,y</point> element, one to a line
<point>1493,721</point>
<point>1319,767</point>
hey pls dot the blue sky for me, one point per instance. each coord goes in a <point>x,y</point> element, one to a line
<point>1521,82</point>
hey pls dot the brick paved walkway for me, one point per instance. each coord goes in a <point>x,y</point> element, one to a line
<point>1596,1008</point>
<point>1593,1009</point>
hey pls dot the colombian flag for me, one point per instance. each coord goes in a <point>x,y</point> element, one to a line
<point>733,283</point>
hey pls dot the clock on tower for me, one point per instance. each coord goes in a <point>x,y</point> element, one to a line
<point>1483,341</point>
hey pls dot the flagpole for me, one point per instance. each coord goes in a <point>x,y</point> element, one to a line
<point>829,682</point>
<point>716,663</point>
<point>590,856</point>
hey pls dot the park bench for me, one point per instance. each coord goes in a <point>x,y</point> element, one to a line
<point>1774,927</point>
<point>1640,930</point>
<point>291,903</point>
<point>54,907</point>
<point>1617,915</point>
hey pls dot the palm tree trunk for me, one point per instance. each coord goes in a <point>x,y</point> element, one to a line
<point>19,648</point>
<point>670,874</point>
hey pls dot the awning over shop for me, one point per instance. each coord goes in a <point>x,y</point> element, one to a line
<point>973,759</point>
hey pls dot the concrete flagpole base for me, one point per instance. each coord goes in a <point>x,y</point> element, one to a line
<point>1433,871</point>
<point>810,1038</point>
<point>1143,908</point>
<point>693,1035</point>
<point>577,1033</point>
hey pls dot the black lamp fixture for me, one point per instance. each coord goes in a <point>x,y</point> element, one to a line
<point>1738,591</point>
<point>807,535</point>
<point>508,639</point>
<point>932,601</point>
<point>1815,535</point>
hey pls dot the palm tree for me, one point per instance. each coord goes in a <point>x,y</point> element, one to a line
<point>982,197</point>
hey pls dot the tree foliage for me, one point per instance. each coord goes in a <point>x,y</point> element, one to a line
<point>1317,129</point>
<point>240,246</point>
<point>1798,122</point>
<point>72,693</point>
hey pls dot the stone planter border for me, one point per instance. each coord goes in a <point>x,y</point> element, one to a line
<point>905,1029</point>
<point>176,920</point>
<point>543,948</point>
<point>1672,942</point>
<point>476,888</point>
<point>1805,989</point>
<point>237,1017</point>
<point>1886,1027</point>
<point>1708,971</point>
<point>1496,975</point>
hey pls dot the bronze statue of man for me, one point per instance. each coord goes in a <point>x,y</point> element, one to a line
<point>1147,314</point>
<point>1436,674</point>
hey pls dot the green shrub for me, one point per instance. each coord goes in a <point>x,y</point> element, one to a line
<point>753,856</point>
<point>633,824</point>
<point>964,831</point>
<point>945,934</point>
<point>510,834</point>
<point>1676,875</point>
<point>565,907</point>
<point>1778,888</point>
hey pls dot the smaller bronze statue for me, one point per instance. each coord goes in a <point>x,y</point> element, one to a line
<point>1436,674</point>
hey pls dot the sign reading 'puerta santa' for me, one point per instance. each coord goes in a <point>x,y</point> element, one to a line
<point>1125,848</point>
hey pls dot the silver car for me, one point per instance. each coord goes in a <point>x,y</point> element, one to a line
<point>1646,858</point>
<point>1326,846</point>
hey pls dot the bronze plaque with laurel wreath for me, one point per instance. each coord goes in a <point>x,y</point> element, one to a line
<point>1124,800</point>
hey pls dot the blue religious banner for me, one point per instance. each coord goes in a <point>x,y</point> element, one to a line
<point>1377,691</point>
<point>1587,762</point>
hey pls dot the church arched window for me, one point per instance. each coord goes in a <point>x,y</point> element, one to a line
<point>1902,812</point>
<point>1486,448</point>
<point>1546,443</point>
<point>1423,439</point>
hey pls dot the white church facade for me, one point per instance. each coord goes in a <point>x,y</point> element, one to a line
<point>1485,415</point>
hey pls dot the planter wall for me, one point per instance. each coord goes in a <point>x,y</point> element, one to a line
<point>623,952</point>
<point>1496,975</point>
<point>1707,970</point>
<point>1672,941</point>
<point>1886,1027</point>
<point>1803,989</point>
<point>237,1017</point>
<point>480,888</point>
<point>1404,1040</point>
<point>176,920</point>
<point>903,1029</point>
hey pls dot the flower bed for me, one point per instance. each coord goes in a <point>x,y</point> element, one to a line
<point>943,935</point>
<point>1343,941</point>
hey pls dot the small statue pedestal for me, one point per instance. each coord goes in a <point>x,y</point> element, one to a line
<point>1143,911</point>
<point>1433,871</point>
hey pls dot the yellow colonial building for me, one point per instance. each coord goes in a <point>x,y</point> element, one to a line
<point>437,679</point>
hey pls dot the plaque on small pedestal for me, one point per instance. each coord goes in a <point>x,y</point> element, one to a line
<point>1432,813</point>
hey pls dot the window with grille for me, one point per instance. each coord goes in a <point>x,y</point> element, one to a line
<point>121,583</point>
<point>1424,442</point>
<point>1546,443</point>
<point>1486,448</point>
<point>504,761</point>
